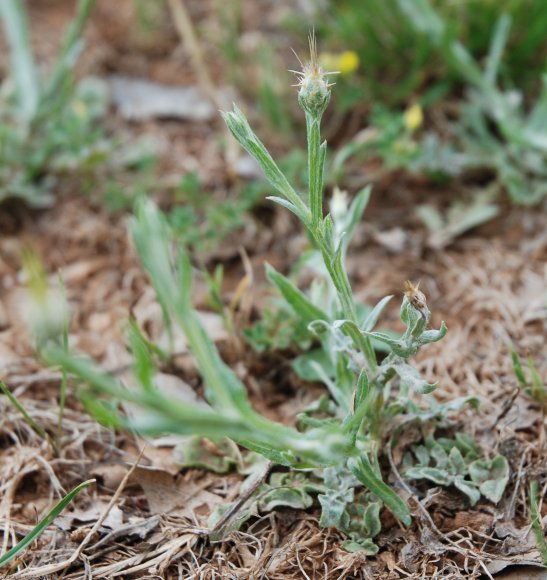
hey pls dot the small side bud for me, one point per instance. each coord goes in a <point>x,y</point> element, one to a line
<point>416,297</point>
<point>414,311</point>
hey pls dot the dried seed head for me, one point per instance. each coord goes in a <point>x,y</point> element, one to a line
<point>314,93</point>
<point>416,297</point>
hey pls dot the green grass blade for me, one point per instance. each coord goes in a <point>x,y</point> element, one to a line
<point>517,367</point>
<point>537,384</point>
<point>499,41</point>
<point>64,376</point>
<point>36,426</point>
<point>22,62</point>
<point>44,523</point>
<point>70,49</point>
<point>535,517</point>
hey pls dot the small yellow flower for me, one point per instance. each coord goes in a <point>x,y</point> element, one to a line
<point>413,117</point>
<point>345,62</point>
<point>348,62</point>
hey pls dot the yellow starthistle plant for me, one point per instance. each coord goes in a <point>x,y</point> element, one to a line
<point>343,450</point>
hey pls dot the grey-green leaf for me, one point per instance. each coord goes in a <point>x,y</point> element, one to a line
<point>433,474</point>
<point>372,318</point>
<point>362,469</point>
<point>372,519</point>
<point>491,476</point>
<point>297,300</point>
<point>365,546</point>
<point>410,378</point>
<point>468,489</point>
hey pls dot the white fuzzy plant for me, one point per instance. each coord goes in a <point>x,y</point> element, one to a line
<point>343,447</point>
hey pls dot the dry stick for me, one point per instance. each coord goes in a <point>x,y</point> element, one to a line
<point>158,556</point>
<point>126,530</point>
<point>300,564</point>
<point>230,513</point>
<point>53,568</point>
<point>186,32</point>
<point>507,406</point>
<point>510,510</point>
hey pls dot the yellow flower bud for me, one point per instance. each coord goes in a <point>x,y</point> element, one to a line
<point>413,117</point>
<point>348,62</point>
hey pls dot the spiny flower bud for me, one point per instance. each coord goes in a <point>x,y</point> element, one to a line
<point>314,93</point>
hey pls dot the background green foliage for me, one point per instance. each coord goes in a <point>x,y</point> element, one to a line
<point>48,123</point>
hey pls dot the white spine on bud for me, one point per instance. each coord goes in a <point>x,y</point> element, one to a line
<point>314,93</point>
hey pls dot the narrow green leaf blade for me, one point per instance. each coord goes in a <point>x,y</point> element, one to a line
<point>298,301</point>
<point>535,517</point>
<point>35,425</point>
<point>372,318</point>
<point>44,523</point>
<point>362,469</point>
<point>22,63</point>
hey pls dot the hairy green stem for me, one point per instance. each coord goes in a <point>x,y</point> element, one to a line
<point>316,163</point>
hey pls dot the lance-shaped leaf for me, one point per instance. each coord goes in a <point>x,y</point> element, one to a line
<point>246,137</point>
<point>429,336</point>
<point>362,469</point>
<point>355,212</point>
<point>333,505</point>
<point>411,379</point>
<point>468,489</point>
<point>491,476</point>
<point>290,206</point>
<point>438,476</point>
<point>361,390</point>
<point>398,346</point>
<point>371,518</point>
<point>297,300</point>
<point>374,314</point>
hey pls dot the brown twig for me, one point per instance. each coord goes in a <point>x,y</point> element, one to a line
<point>219,527</point>
<point>507,405</point>
<point>186,31</point>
